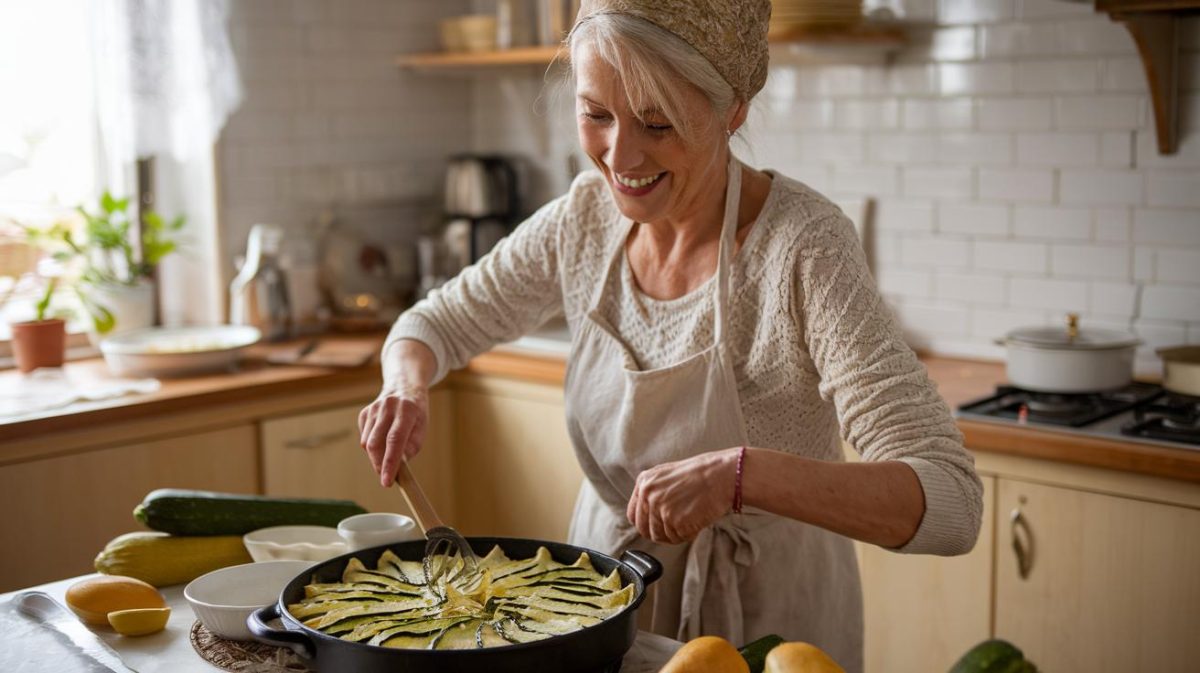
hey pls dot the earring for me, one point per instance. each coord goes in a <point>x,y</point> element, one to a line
<point>728,133</point>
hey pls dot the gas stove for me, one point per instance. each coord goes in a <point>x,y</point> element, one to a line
<point>1140,412</point>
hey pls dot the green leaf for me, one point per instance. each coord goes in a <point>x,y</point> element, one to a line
<point>102,319</point>
<point>44,303</point>
<point>107,202</point>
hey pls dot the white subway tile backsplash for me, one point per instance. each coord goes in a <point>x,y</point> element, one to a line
<point>1112,225</point>
<point>1116,149</point>
<point>897,215</point>
<point>908,80</point>
<point>1115,299</point>
<point>1047,9</point>
<point>1090,37</point>
<point>1123,74</point>
<point>1177,266</point>
<point>902,148</point>
<point>1102,188</point>
<point>1010,256</point>
<point>1119,113</point>
<point>1023,185</point>
<point>972,288</point>
<point>867,114</point>
<point>933,318</point>
<point>975,11</point>
<point>1056,76</point>
<point>909,284</point>
<point>947,113</point>
<point>1143,263</point>
<point>941,253</point>
<point>947,183</point>
<point>975,78</point>
<point>975,148</point>
<point>991,323</point>
<point>1187,152</point>
<point>1057,149</point>
<point>968,218</point>
<point>1058,295</point>
<point>1019,39</point>
<point>953,44</point>
<point>1179,189</point>
<point>1158,334</point>
<point>1166,302</point>
<point>1015,114</point>
<point>793,115</point>
<point>1090,261</point>
<point>1170,227</point>
<point>1052,223</point>
<point>865,180</point>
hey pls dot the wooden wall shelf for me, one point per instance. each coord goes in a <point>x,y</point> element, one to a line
<point>864,35</point>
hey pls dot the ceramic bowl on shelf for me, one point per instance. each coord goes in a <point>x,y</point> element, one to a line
<point>223,599</point>
<point>294,543</point>
<point>176,351</point>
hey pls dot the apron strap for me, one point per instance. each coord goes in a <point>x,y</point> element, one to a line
<point>733,195</point>
<point>711,582</point>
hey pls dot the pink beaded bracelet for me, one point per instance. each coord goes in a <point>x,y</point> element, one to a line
<point>737,484</point>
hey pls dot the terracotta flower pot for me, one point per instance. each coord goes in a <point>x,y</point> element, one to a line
<point>39,343</point>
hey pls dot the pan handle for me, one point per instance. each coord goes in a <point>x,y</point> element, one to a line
<point>646,566</point>
<point>296,641</point>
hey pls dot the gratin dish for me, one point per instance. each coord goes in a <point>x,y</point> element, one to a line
<point>294,543</point>
<point>175,351</point>
<point>594,648</point>
<point>223,598</point>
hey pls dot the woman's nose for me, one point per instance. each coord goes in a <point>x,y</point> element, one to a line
<point>624,149</point>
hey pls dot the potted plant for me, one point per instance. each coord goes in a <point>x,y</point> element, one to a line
<point>116,280</point>
<point>40,342</point>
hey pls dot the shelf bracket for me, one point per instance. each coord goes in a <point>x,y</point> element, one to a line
<point>1157,39</point>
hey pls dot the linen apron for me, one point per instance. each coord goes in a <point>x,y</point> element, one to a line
<point>745,576</point>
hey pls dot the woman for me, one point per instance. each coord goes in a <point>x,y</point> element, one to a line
<point>724,325</point>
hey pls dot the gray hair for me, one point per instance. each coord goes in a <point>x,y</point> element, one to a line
<point>639,50</point>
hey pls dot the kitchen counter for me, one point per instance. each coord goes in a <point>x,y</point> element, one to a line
<point>280,387</point>
<point>170,651</point>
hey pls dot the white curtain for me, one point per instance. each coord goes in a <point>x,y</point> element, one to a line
<point>166,81</point>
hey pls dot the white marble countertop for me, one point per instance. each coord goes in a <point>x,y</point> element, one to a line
<point>170,651</point>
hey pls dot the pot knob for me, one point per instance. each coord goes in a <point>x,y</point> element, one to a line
<point>1072,326</point>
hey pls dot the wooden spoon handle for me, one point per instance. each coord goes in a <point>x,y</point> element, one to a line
<point>426,517</point>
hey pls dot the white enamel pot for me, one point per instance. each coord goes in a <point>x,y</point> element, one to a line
<point>1181,369</point>
<point>1069,359</point>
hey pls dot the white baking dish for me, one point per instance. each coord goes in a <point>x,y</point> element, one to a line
<point>176,351</point>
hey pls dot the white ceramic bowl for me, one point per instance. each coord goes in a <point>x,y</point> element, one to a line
<point>174,351</point>
<point>294,543</point>
<point>375,528</point>
<point>223,599</point>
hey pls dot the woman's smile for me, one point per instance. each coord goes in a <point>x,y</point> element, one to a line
<point>637,185</point>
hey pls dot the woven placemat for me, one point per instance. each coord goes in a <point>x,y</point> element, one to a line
<point>244,657</point>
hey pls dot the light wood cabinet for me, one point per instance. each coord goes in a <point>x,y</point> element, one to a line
<point>517,474</point>
<point>317,455</point>
<point>64,509</point>
<point>1110,584</point>
<point>922,612</point>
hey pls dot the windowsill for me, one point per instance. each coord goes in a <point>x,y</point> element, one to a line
<point>78,348</point>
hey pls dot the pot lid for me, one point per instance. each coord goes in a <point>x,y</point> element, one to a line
<point>1073,337</point>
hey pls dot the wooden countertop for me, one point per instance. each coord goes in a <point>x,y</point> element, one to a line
<point>958,381</point>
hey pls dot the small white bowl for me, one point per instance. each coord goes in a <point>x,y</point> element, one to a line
<point>223,599</point>
<point>294,543</point>
<point>375,528</point>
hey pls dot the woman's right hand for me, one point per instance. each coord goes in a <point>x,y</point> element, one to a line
<point>392,429</point>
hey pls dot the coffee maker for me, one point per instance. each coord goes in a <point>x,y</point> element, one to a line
<point>482,203</point>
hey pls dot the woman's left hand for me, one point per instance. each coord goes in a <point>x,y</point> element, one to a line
<point>673,502</point>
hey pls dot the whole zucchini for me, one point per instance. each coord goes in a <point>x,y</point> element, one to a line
<point>162,560</point>
<point>994,656</point>
<point>184,512</point>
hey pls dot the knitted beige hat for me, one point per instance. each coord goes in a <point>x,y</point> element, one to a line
<point>731,34</point>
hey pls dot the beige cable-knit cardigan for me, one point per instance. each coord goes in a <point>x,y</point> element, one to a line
<point>816,349</point>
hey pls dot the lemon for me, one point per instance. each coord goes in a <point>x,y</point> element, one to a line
<point>92,599</point>
<point>139,621</point>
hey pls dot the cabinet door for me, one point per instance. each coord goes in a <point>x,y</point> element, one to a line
<point>921,613</point>
<point>1110,584</point>
<point>517,472</point>
<point>317,455</point>
<point>60,512</point>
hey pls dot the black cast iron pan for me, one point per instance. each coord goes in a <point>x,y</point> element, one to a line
<point>594,648</point>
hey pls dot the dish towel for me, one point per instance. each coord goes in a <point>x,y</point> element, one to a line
<point>52,388</point>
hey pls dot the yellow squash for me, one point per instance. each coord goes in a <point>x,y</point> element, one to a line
<point>800,658</point>
<point>707,654</point>
<point>162,560</point>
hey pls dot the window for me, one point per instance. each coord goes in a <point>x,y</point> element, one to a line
<point>49,149</point>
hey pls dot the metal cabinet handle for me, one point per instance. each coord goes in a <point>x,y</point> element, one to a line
<point>1023,548</point>
<point>317,441</point>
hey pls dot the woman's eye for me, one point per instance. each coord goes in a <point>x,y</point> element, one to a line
<point>595,116</point>
<point>658,128</point>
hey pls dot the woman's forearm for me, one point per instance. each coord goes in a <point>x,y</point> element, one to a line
<point>881,503</point>
<point>408,364</point>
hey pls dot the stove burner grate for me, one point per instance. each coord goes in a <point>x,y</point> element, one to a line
<point>1173,417</point>
<point>1072,410</point>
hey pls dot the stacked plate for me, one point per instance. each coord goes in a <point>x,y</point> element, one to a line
<point>799,14</point>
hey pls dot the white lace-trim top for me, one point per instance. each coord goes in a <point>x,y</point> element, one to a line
<point>818,356</point>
